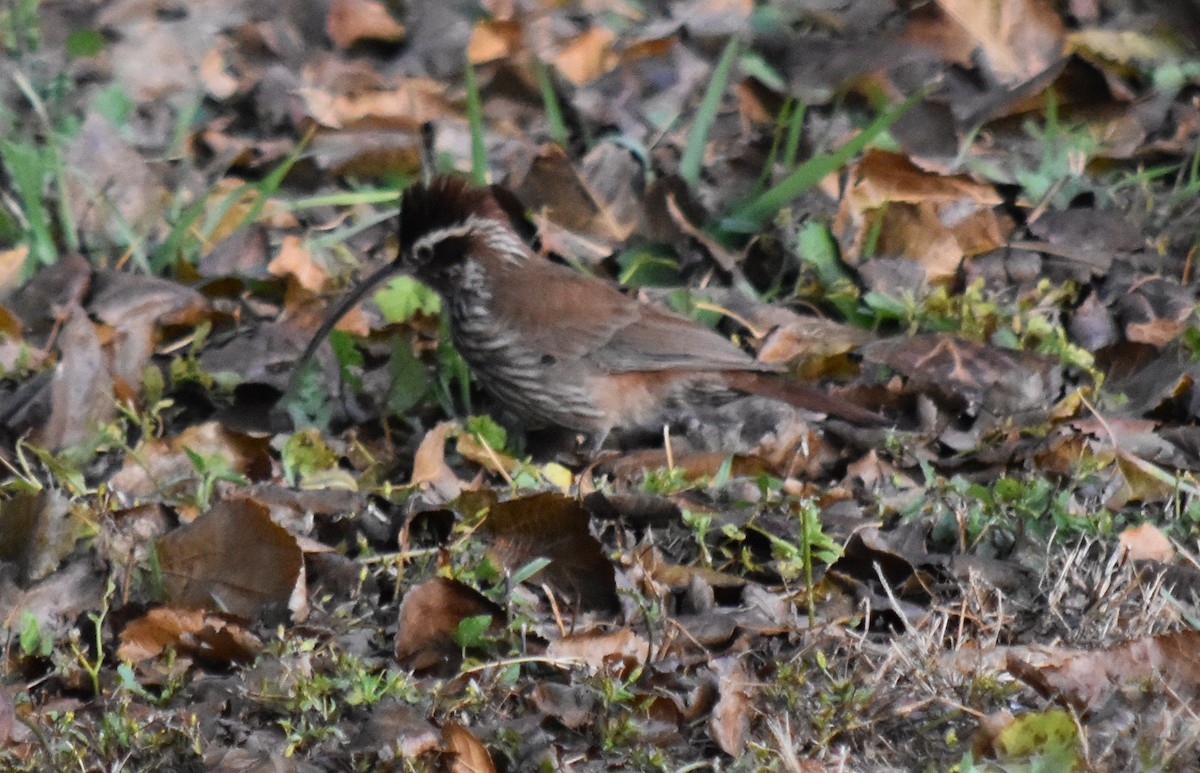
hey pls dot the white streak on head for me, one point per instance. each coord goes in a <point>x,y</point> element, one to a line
<point>496,236</point>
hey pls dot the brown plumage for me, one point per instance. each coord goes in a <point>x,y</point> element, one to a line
<point>560,348</point>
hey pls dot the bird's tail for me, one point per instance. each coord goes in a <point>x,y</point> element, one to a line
<point>802,396</point>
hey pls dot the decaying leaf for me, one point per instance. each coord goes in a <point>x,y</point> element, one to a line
<point>1088,680</point>
<point>730,722</point>
<point>38,530</point>
<point>57,601</point>
<point>1016,40</point>
<point>554,526</point>
<point>110,185</point>
<point>430,470</point>
<point>295,261</point>
<point>429,617</point>
<point>932,220</point>
<point>204,636</point>
<point>1146,543</point>
<point>81,393</point>
<point>468,754</point>
<point>599,649</point>
<point>972,377</point>
<point>233,559</point>
<point>397,731</point>
<point>162,466</point>
<point>572,705</point>
<point>353,21</point>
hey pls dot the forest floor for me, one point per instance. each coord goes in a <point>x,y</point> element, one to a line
<point>978,219</point>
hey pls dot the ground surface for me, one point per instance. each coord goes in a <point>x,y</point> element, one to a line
<point>979,219</point>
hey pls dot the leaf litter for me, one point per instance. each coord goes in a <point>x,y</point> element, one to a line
<point>193,577</point>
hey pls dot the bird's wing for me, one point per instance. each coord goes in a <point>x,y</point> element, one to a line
<point>663,340</point>
<point>582,318</point>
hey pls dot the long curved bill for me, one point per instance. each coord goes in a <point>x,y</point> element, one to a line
<point>347,303</point>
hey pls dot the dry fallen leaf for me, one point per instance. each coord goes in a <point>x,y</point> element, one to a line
<point>600,649</point>
<point>233,559</point>
<point>111,187</point>
<point>354,21</point>
<point>1088,680</point>
<point>729,724</point>
<point>1146,543</point>
<point>554,526</point>
<point>587,56</point>
<point>1016,39</point>
<point>429,617</point>
<point>204,636</point>
<point>159,466</point>
<point>137,307</point>
<point>430,471</point>
<point>573,705</point>
<point>38,530</point>
<point>399,728</point>
<point>296,261</point>
<point>11,262</point>
<point>467,754</point>
<point>493,39</point>
<point>81,393</point>
<point>933,220</point>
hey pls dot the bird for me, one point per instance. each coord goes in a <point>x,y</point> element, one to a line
<point>560,348</point>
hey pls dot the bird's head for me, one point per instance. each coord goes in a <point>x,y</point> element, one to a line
<point>446,224</point>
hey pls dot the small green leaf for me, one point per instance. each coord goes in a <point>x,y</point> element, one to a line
<point>471,631</point>
<point>554,115</point>
<point>885,306</point>
<point>752,64</point>
<point>199,463</point>
<point>486,429</point>
<point>32,640</point>
<point>305,453</point>
<point>85,42</point>
<point>1042,738</point>
<point>1191,340</point>
<point>410,380</point>
<point>646,266</point>
<point>403,297</point>
<point>348,356</point>
<point>818,249</point>
<point>720,480</point>
<point>307,401</point>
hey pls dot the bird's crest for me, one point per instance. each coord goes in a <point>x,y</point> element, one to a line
<point>444,202</point>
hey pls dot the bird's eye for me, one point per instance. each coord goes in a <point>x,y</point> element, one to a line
<point>423,253</point>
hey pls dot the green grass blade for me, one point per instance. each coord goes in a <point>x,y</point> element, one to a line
<point>693,154</point>
<point>363,197</point>
<point>66,217</point>
<point>269,185</point>
<point>751,215</point>
<point>475,121</point>
<point>554,115</point>
<point>342,234</point>
<point>173,246</point>
<point>791,148</point>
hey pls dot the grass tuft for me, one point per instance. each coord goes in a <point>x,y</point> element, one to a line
<point>750,216</point>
